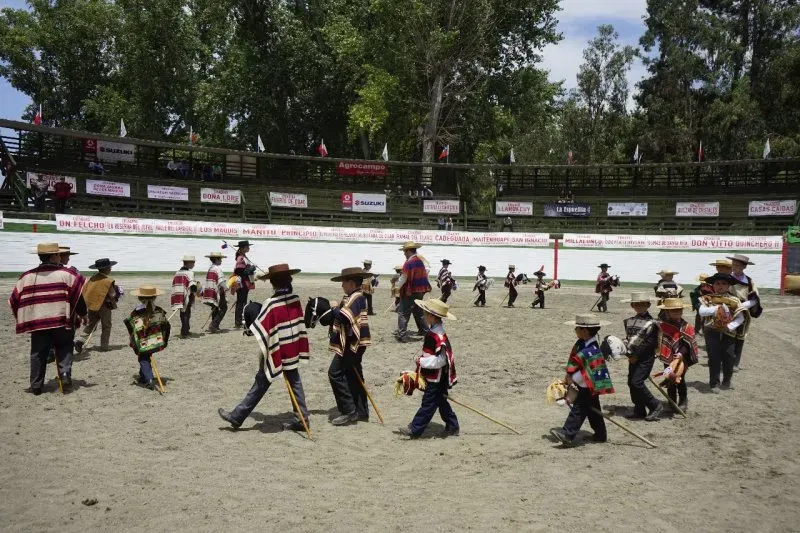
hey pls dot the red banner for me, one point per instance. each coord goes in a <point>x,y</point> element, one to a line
<point>90,146</point>
<point>360,168</point>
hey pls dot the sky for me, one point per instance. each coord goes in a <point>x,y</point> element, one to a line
<point>578,21</point>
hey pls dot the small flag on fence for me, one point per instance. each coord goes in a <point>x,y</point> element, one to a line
<point>260,145</point>
<point>445,152</point>
<point>123,131</point>
<point>767,150</point>
<point>322,149</point>
<point>37,120</point>
<point>385,153</point>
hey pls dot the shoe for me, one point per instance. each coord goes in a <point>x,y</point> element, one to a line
<point>407,433</point>
<point>363,418</point>
<point>66,381</point>
<point>736,368</point>
<point>35,392</point>
<point>655,414</point>
<point>213,329</point>
<point>599,439</point>
<point>510,305</point>
<point>683,403</point>
<point>450,431</point>
<point>151,384</point>
<point>636,415</point>
<point>370,314</point>
<point>715,389</point>
<point>405,338</point>
<point>295,425</point>
<point>345,420</point>
<point>226,416</point>
<point>727,385</point>
<point>78,348</point>
<point>561,437</point>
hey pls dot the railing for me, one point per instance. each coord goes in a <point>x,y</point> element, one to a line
<point>13,180</point>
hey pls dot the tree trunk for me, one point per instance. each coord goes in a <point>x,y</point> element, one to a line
<point>364,143</point>
<point>430,133</point>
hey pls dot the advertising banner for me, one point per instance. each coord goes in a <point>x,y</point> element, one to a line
<point>360,168</point>
<point>163,192</point>
<point>51,179</point>
<point>567,210</point>
<point>115,152</point>
<point>108,188</point>
<point>697,209</point>
<point>445,207</point>
<point>221,196</point>
<point>286,199</point>
<point>627,209</point>
<point>674,242</point>
<point>772,208</point>
<point>523,209</point>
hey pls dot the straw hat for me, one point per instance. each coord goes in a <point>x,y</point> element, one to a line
<point>638,298</point>
<point>368,262</point>
<point>741,258</point>
<point>721,262</point>
<point>350,273</point>
<point>187,258</point>
<point>410,245</point>
<point>512,267</point>
<point>586,321</point>
<point>47,248</point>
<point>436,308</point>
<point>702,278</point>
<point>281,269</point>
<point>398,268</point>
<point>216,255</point>
<point>673,303</point>
<point>147,291</point>
<point>103,263</point>
<point>66,250</point>
<point>667,272</point>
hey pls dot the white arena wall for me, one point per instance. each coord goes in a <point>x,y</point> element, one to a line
<point>634,259</point>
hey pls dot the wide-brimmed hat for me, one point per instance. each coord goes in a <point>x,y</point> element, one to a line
<point>586,321</point>
<point>721,262</point>
<point>539,274</point>
<point>673,303</point>
<point>188,258</point>
<point>446,262</point>
<point>47,248</point>
<point>638,298</point>
<point>666,272</point>
<point>103,263</point>
<point>242,244</point>
<point>367,261</point>
<point>512,267</point>
<point>350,273</point>
<point>603,265</point>
<point>481,267</point>
<point>410,245</point>
<point>741,258</point>
<point>147,291</point>
<point>702,278</point>
<point>66,250</point>
<point>216,255</point>
<point>281,269</point>
<point>398,267</point>
<point>719,276</point>
<point>436,308</point>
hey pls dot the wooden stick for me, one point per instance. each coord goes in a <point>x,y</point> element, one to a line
<point>503,300</point>
<point>623,427</point>
<point>173,313</point>
<point>207,319</point>
<point>85,344</point>
<point>670,400</point>
<point>374,405</point>
<point>161,388</point>
<point>296,406</point>
<point>597,302</point>
<point>58,374</point>
<point>484,415</point>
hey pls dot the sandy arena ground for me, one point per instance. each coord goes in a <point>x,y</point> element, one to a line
<point>171,464</point>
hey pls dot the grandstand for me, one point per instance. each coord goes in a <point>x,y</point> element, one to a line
<point>27,148</point>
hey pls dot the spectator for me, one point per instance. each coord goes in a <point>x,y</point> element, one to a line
<point>39,188</point>
<point>449,225</point>
<point>208,172</point>
<point>441,223</point>
<point>184,169</point>
<point>63,191</point>
<point>508,224</point>
<point>172,169</point>
<point>217,172</point>
<point>426,191</point>
<point>96,167</point>
<point>499,189</point>
<point>570,197</point>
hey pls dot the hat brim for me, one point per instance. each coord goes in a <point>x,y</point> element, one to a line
<point>604,266</point>
<point>667,273</point>
<point>425,307</point>
<point>290,272</point>
<point>135,292</point>
<point>539,273</point>
<point>598,325</point>
<point>684,306</point>
<point>349,276</point>
<point>416,246</point>
<point>629,301</point>
<point>216,256</point>
<point>110,264</point>
<point>745,262</point>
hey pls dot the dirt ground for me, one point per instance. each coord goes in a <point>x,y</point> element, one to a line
<point>169,463</point>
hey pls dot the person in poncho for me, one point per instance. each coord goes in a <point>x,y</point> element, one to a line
<point>672,339</point>
<point>368,287</point>
<point>701,290</point>
<point>214,291</point>
<point>282,342</point>
<point>604,287</point>
<point>481,284</point>
<point>445,280</point>
<point>413,284</point>
<point>184,289</point>
<point>746,291</point>
<point>349,339</point>
<point>667,287</point>
<point>45,303</point>
<point>395,290</point>
<point>541,286</point>
<point>511,284</point>
<point>586,369</point>
<point>437,366</point>
<point>148,330</point>
<point>101,295</point>
<point>723,321</point>
<point>245,269</point>
<point>641,360</point>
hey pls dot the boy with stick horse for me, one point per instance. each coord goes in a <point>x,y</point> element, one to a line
<point>698,292</point>
<point>349,338</point>
<point>245,270</point>
<point>586,370</point>
<point>101,294</point>
<point>214,291</point>
<point>184,289</point>
<point>481,284</point>
<point>281,336</point>
<point>45,302</point>
<point>604,286</point>
<point>747,292</point>
<point>511,285</point>
<point>640,361</point>
<point>541,286</point>
<point>395,290</point>
<point>148,329</point>
<point>672,339</point>
<point>445,280</point>
<point>436,366</point>
<point>724,316</point>
<point>368,287</point>
<point>667,288</point>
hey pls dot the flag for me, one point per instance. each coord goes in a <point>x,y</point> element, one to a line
<point>38,118</point>
<point>445,152</point>
<point>767,150</point>
<point>123,131</point>
<point>700,154</point>
<point>261,145</point>
<point>224,245</point>
<point>322,149</point>
<point>385,153</point>
<point>511,158</point>
<point>192,136</point>
<point>570,158</point>
<point>636,155</point>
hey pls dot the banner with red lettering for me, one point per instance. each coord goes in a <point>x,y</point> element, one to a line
<point>674,242</point>
<point>108,188</point>
<point>286,199</point>
<point>772,208</point>
<point>697,209</point>
<point>221,196</point>
<point>524,209</point>
<point>164,192</point>
<point>360,168</point>
<point>50,179</point>
<point>444,207</point>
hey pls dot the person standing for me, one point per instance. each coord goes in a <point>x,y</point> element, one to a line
<point>63,192</point>
<point>747,292</point>
<point>184,290</point>
<point>603,287</point>
<point>349,339</point>
<point>148,331</point>
<point>368,287</point>
<point>281,336</point>
<point>722,321</point>
<point>481,284</point>
<point>641,359</point>
<point>45,302</point>
<point>246,272</point>
<point>445,280</point>
<point>214,291</point>
<point>413,284</point>
<point>511,284</point>
<point>541,286</point>
<point>101,295</point>
<point>395,290</point>
<point>701,290</point>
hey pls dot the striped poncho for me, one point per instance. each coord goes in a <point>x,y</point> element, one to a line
<point>180,297</point>
<point>350,328</point>
<point>415,277</point>
<point>46,297</point>
<point>281,333</point>
<point>587,359</point>
<point>445,278</point>
<point>215,282</point>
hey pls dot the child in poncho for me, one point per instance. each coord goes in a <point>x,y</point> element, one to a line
<point>587,370</point>
<point>149,332</point>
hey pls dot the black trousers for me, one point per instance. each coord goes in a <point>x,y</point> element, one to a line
<point>218,312</point>
<point>539,300</point>
<point>739,350</point>
<point>677,392</point>
<point>348,392</point>
<point>59,339</point>
<point>369,304</point>
<point>481,298</point>
<point>580,411</point>
<point>241,302</point>
<point>721,350</point>
<point>434,398</point>
<point>641,396</point>
<point>447,290</point>
<point>603,305</point>
<point>186,317</point>
<point>512,295</point>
